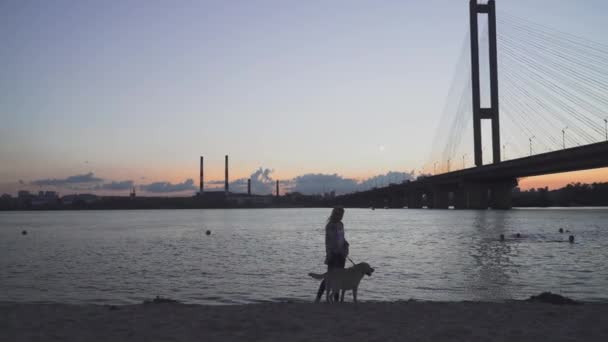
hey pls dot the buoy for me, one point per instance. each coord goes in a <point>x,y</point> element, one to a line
<point>561,230</point>
<point>571,238</point>
<point>24,232</point>
<point>208,232</point>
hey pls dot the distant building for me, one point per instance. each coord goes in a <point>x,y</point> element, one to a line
<point>214,195</point>
<point>24,195</point>
<point>79,199</point>
<point>253,200</point>
<point>45,198</point>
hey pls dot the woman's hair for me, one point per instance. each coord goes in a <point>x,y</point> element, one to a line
<point>336,215</point>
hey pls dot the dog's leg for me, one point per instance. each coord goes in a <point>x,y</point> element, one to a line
<point>342,296</point>
<point>355,295</point>
<point>327,293</point>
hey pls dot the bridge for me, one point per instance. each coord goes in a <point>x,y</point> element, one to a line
<point>554,96</point>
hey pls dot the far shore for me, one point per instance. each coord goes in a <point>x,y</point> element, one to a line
<point>599,207</point>
<point>367,321</point>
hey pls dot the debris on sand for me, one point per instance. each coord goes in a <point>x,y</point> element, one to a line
<point>161,300</point>
<point>552,298</point>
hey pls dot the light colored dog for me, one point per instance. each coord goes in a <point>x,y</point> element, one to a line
<point>343,279</point>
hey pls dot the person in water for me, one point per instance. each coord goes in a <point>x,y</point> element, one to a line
<point>336,246</point>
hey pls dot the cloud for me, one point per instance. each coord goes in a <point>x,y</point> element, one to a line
<point>87,178</point>
<point>384,180</point>
<point>167,187</point>
<point>261,183</point>
<point>316,183</point>
<point>121,185</point>
<point>87,181</point>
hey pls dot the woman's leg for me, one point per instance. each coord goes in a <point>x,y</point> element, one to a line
<point>337,262</point>
<point>332,262</point>
<point>321,290</point>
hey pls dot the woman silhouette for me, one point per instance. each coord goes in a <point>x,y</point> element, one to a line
<point>336,246</point>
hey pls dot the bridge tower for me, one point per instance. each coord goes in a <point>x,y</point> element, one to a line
<point>478,112</point>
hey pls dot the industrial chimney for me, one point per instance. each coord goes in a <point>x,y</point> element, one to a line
<point>202,177</point>
<point>226,178</point>
<point>249,187</point>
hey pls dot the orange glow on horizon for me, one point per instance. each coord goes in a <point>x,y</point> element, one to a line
<point>179,175</point>
<point>559,180</point>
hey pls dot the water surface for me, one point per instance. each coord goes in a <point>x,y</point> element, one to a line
<point>265,254</point>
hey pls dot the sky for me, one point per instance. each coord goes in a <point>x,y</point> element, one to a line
<point>101,96</point>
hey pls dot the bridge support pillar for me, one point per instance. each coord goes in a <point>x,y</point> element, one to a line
<point>414,199</point>
<point>477,196</point>
<point>429,199</point>
<point>471,196</point>
<point>440,198</point>
<point>397,200</point>
<point>502,194</point>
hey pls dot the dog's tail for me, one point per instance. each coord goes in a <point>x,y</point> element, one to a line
<point>317,276</point>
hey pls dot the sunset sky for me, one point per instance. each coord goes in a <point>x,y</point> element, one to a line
<point>99,96</point>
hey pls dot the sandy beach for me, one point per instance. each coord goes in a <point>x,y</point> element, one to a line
<point>396,321</point>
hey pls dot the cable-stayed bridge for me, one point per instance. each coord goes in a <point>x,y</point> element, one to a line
<point>550,115</point>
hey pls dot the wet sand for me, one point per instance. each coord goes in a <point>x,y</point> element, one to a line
<point>396,321</point>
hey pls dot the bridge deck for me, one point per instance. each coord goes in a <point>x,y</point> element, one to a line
<point>572,159</point>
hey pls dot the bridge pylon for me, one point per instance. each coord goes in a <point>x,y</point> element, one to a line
<point>480,113</point>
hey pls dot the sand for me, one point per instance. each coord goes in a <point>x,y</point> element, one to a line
<point>397,321</point>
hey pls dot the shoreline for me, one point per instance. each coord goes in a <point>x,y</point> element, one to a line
<point>366,321</point>
<point>581,207</point>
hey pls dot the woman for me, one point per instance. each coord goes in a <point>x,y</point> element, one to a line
<point>336,246</point>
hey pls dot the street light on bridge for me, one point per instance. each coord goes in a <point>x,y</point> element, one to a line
<point>463,157</point>
<point>449,165</point>
<point>564,137</point>
<point>504,153</point>
<point>530,139</point>
<point>606,128</point>
<point>435,168</point>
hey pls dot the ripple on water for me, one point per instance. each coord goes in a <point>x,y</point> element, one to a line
<point>265,255</point>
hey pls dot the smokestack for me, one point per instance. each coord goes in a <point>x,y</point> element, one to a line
<point>202,178</point>
<point>249,187</point>
<point>277,188</point>
<point>226,181</point>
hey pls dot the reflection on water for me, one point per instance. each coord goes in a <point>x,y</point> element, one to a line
<point>265,255</point>
<point>490,257</point>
